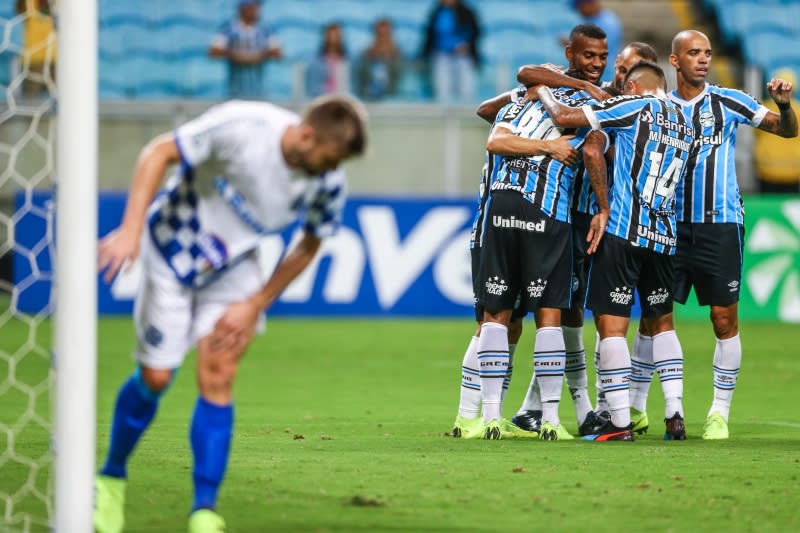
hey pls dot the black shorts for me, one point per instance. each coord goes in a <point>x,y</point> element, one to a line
<point>524,253</point>
<point>475,256</point>
<point>709,258</point>
<point>618,268</point>
<point>580,260</point>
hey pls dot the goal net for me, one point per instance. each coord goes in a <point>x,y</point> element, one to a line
<point>46,426</point>
<point>27,129</point>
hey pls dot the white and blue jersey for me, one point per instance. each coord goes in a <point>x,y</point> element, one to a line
<point>583,198</point>
<point>710,192</point>
<point>541,180</point>
<point>244,81</point>
<point>232,188</point>
<point>652,145</point>
<point>491,164</point>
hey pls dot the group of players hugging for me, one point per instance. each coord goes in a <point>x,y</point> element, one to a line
<point>592,193</point>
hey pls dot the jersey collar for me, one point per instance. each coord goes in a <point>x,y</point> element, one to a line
<point>675,98</point>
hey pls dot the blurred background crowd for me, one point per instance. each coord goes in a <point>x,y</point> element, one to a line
<point>393,51</point>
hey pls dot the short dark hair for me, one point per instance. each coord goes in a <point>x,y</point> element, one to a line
<point>646,65</point>
<point>340,119</point>
<point>592,31</point>
<point>612,91</point>
<point>644,50</point>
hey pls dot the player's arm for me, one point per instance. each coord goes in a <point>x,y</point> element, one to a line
<point>503,141</point>
<point>530,75</point>
<point>783,123</point>
<point>563,116</point>
<point>594,149</point>
<point>236,326</point>
<point>123,243</point>
<point>489,108</point>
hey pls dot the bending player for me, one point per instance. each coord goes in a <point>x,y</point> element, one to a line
<point>245,169</point>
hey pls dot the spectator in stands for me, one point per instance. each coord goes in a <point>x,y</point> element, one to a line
<point>39,55</point>
<point>380,66</point>
<point>247,45</point>
<point>329,70</point>
<point>777,160</point>
<point>451,50</point>
<point>593,12</point>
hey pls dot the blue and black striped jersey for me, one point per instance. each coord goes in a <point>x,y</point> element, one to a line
<point>652,144</point>
<point>491,164</point>
<point>583,198</point>
<point>542,180</point>
<point>710,192</point>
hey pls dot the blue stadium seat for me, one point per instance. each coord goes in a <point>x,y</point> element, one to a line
<point>738,21</point>
<point>279,80</point>
<point>760,48</point>
<point>299,42</point>
<point>409,39</point>
<point>357,38</point>
<point>205,78</point>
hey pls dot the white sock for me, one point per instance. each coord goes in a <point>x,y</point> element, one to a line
<point>575,371</point>
<point>727,359</point>
<point>493,367</point>
<point>533,398</point>
<point>668,360</point>
<point>641,370</point>
<point>615,370</point>
<point>507,380</point>
<point>549,358</point>
<point>600,397</point>
<point>469,403</point>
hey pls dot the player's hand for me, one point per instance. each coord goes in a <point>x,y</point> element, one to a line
<point>235,327</point>
<point>780,90</point>
<point>114,250</point>
<point>597,227</point>
<point>560,150</point>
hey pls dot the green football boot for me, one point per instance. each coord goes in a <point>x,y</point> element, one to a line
<point>716,427</point>
<point>467,428</point>
<point>109,504</point>
<point>206,521</point>
<point>551,432</point>
<point>639,421</point>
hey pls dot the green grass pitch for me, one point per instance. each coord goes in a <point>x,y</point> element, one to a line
<point>340,427</point>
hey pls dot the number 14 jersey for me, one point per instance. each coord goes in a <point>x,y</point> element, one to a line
<point>653,141</point>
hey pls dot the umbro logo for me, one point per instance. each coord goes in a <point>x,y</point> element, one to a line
<point>734,285</point>
<point>646,116</point>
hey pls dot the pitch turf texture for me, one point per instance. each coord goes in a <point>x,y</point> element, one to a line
<point>340,426</point>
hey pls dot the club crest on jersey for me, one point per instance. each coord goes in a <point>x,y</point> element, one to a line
<point>658,297</point>
<point>707,119</point>
<point>621,296</point>
<point>213,250</point>
<point>536,288</point>
<point>496,286</point>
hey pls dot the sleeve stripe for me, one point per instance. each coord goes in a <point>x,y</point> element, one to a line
<point>181,151</point>
<point>591,117</point>
<point>759,116</point>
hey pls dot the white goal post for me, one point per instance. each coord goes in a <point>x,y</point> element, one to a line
<point>75,346</point>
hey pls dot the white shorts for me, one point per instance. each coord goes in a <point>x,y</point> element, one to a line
<point>171,318</point>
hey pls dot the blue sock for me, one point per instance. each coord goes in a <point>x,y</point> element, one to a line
<point>135,408</point>
<point>212,428</point>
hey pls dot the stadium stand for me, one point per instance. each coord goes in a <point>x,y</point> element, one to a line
<point>171,40</point>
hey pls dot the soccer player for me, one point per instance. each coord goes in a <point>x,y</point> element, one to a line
<point>633,53</point>
<point>468,423</point>
<point>587,56</point>
<point>709,208</point>
<point>652,144</point>
<point>245,169</point>
<point>527,247</point>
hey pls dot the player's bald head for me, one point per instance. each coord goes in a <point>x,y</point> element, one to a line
<point>686,36</point>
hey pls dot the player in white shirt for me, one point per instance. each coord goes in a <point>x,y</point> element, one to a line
<point>246,169</point>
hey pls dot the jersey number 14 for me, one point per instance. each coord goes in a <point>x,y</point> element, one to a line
<point>661,185</point>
